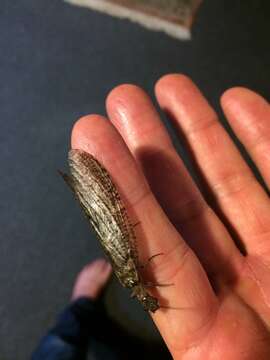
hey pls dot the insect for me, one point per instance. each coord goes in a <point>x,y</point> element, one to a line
<point>103,207</point>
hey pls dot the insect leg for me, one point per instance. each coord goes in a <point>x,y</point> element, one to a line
<point>150,284</point>
<point>149,260</point>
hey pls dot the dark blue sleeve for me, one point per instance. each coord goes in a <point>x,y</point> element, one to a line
<point>69,338</point>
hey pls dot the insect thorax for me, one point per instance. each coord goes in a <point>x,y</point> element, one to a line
<point>148,302</point>
<point>130,278</point>
<point>128,274</point>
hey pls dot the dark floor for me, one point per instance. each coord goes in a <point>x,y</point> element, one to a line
<point>57,63</point>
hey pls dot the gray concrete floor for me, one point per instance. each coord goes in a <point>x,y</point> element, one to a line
<point>57,63</point>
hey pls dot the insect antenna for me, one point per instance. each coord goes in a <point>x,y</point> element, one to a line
<point>173,308</point>
<point>150,284</point>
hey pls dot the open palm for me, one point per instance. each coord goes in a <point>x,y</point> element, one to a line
<point>216,242</point>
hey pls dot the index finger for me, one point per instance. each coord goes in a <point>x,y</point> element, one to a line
<point>178,265</point>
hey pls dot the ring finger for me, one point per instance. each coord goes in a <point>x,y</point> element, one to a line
<point>236,193</point>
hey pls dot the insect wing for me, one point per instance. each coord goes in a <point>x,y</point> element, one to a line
<point>103,207</point>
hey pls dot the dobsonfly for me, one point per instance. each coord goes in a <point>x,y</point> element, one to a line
<point>103,207</point>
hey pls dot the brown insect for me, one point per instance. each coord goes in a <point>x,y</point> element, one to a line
<point>101,202</point>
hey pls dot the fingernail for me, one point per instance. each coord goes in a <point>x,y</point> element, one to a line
<point>104,262</point>
<point>108,265</point>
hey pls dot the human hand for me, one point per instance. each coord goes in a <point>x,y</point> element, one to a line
<point>92,279</point>
<point>222,293</point>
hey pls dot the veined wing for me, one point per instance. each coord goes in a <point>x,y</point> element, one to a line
<point>103,206</point>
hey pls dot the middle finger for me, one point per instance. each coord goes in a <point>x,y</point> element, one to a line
<point>134,116</point>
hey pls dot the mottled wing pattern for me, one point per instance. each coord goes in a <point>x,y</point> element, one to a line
<point>103,207</point>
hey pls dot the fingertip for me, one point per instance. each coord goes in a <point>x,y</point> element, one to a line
<point>170,81</point>
<point>124,99</point>
<point>239,96</point>
<point>84,129</point>
<point>121,91</point>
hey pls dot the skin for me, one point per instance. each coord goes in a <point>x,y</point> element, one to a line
<point>216,240</point>
<point>92,279</point>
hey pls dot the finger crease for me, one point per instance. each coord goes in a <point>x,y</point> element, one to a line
<point>233,184</point>
<point>201,126</point>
